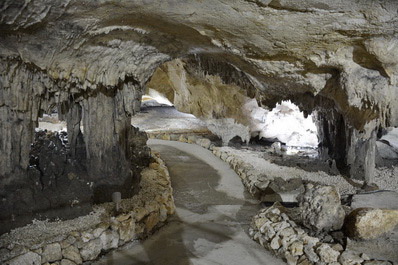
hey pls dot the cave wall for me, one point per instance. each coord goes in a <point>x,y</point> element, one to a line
<point>60,175</point>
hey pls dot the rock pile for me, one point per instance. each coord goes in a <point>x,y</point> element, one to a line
<point>277,232</point>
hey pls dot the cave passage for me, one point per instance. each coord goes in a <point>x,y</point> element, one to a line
<point>212,217</point>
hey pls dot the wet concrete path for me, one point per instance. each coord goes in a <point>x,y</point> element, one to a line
<point>212,218</point>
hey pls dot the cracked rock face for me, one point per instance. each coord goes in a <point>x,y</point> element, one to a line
<point>92,59</point>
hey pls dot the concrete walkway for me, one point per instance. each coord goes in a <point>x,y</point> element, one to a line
<point>212,218</point>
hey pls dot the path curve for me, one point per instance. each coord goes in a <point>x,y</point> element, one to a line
<point>212,217</point>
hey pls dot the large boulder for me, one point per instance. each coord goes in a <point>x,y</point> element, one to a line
<point>369,223</point>
<point>321,209</point>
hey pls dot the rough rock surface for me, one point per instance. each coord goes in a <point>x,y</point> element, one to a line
<point>273,228</point>
<point>378,199</point>
<point>370,223</point>
<point>311,51</point>
<point>321,208</point>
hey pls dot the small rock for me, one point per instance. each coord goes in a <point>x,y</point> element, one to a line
<point>72,253</point>
<point>290,259</point>
<point>51,253</point>
<point>151,221</point>
<point>275,243</point>
<point>86,236</point>
<point>123,217</point>
<point>310,253</point>
<point>309,240</point>
<point>126,230</point>
<point>13,251</point>
<point>303,260</point>
<point>259,222</point>
<point>296,248</point>
<point>327,253</point>
<point>98,231</point>
<point>29,258</point>
<point>369,223</point>
<point>67,262</point>
<point>91,250</point>
<point>70,240</point>
<point>338,247</point>
<point>109,239</point>
<point>350,258</point>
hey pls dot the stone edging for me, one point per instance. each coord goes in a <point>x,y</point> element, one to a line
<point>142,214</point>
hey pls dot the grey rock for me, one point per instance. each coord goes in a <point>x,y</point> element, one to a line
<point>311,254</point>
<point>52,252</point>
<point>109,239</point>
<point>67,262</point>
<point>350,258</point>
<point>321,208</point>
<point>29,258</point>
<point>327,254</point>
<point>378,199</point>
<point>72,253</point>
<point>91,250</point>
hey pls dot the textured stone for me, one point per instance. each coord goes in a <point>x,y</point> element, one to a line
<point>72,253</point>
<point>67,262</point>
<point>350,258</point>
<point>91,250</point>
<point>369,223</point>
<point>321,208</point>
<point>151,221</point>
<point>29,258</point>
<point>311,254</point>
<point>52,252</point>
<point>109,239</point>
<point>327,254</point>
<point>126,231</point>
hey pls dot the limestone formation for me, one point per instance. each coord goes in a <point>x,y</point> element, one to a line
<point>321,208</point>
<point>370,223</point>
<point>92,61</point>
<point>326,56</point>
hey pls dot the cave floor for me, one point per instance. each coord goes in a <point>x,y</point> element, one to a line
<point>212,218</point>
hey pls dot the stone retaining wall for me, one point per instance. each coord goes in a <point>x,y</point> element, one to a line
<point>86,238</point>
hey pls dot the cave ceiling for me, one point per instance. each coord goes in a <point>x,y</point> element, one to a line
<point>284,47</point>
